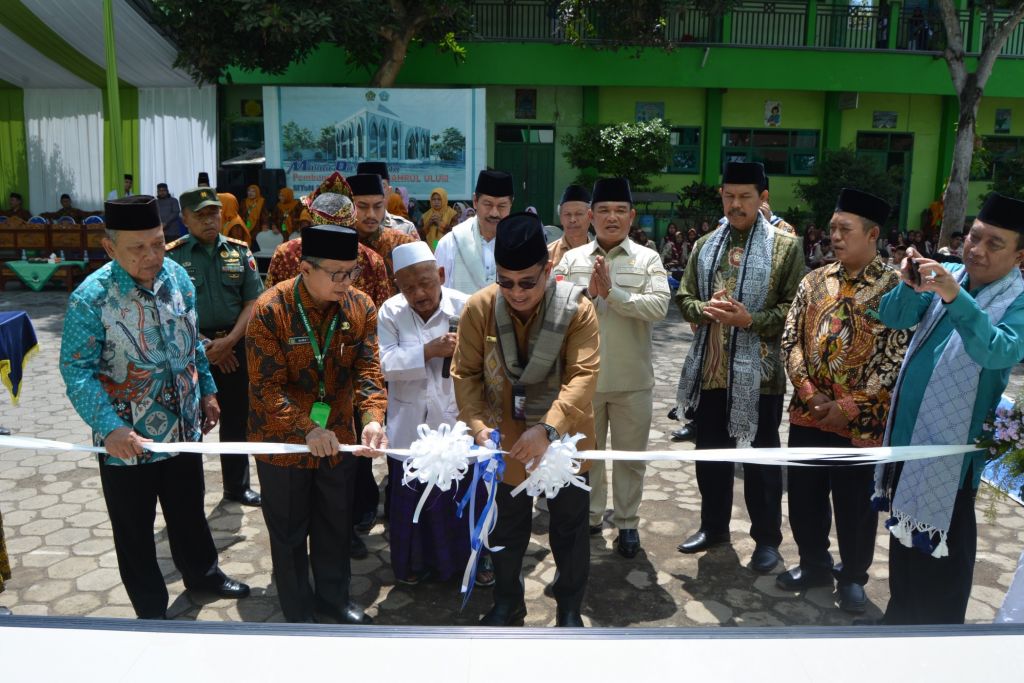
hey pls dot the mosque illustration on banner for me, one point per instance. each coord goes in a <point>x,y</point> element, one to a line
<point>376,132</point>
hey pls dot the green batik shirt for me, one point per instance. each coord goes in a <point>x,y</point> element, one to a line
<point>787,271</point>
<point>225,277</point>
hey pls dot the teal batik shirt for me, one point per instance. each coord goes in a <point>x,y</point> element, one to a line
<point>131,357</point>
<point>996,348</point>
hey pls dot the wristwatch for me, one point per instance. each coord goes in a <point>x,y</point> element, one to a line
<point>552,432</point>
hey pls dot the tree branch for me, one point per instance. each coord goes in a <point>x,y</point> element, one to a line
<point>990,51</point>
<point>954,52</point>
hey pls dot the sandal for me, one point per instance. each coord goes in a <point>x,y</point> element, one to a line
<point>485,572</point>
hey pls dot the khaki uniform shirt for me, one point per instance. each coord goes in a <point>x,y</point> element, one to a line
<point>483,392</point>
<point>639,297</point>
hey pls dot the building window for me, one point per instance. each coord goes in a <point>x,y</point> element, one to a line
<point>783,152</point>
<point>997,149</point>
<point>685,150</point>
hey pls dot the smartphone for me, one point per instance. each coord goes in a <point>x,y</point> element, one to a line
<point>915,273</point>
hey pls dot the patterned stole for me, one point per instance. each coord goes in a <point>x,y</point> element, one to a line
<point>542,374</point>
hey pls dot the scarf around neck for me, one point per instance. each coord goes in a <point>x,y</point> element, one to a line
<point>744,387</point>
<point>541,374</point>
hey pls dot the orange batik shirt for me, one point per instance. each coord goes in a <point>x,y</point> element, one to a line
<point>834,344</point>
<point>283,375</point>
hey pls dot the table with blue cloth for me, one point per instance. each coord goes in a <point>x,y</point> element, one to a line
<point>17,344</point>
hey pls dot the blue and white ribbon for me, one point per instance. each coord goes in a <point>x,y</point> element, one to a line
<point>490,471</point>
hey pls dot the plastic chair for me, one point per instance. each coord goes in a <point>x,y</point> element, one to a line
<point>93,220</point>
<point>65,219</point>
<point>37,220</point>
<point>3,219</point>
<point>267,241</point>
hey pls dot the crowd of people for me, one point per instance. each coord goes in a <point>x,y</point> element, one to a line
<point>365,329</point>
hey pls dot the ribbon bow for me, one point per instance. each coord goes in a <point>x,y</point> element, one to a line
<point>438,458</point>
<point>559,467</point>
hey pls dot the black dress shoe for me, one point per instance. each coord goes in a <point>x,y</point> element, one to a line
<point>366,522</point>
<point>628,543</point>
<point>5,611</point>
<point>798,578</point>
<point>765,558</point>
<point>349,615</point>
<point>227,588</point>
<point>687,432</point>
<point>246,497</point>
<point>595,529</point>
<point>358,549</point>
<point>702,540</point>
<point>852,598</point>
<point>569,618</point>
<point>503,614</point>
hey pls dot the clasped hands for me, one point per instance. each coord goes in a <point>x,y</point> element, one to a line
<point>722,308</point>
<point>827,412</point>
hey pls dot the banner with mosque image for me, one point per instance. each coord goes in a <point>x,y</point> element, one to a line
<point>428,137</point>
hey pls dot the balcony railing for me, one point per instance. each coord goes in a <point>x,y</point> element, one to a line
<point>839,26</point>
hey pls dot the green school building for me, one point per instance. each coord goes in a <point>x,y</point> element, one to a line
<point>777,82</point>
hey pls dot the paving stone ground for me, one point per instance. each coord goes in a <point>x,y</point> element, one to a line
<point>59,536</point>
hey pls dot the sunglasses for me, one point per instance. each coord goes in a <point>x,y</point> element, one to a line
<point>524,284</point>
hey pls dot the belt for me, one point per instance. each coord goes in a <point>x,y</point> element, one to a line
<point>215,334</point>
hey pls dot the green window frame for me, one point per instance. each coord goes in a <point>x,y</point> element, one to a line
<point>784,152</point>
<point>685,142</point>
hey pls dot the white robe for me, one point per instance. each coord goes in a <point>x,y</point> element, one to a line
<point>417,394</point>
<point>454,252</point>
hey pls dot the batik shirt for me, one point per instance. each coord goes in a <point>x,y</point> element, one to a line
<point>284,378</point>
<point>835,345</point>
<point>787,269</point>
<point>384,242</point>
<point>131,357</point>
<point>373,274</point>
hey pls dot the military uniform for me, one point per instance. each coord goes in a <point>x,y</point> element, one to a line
<point>226,279</point>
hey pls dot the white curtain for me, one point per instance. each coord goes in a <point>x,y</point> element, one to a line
<point>177,137</point>
<point>64,131</point>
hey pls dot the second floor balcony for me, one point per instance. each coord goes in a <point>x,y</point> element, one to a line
<point>815,25</point>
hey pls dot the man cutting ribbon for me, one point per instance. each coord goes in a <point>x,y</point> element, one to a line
<point>526,363</point>
<point>312,348</point>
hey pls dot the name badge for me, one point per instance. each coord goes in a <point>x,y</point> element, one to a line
<point>518,402</point>
<point>298,341</point>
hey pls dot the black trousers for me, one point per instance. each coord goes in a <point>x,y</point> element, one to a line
<point>810,514</point>
<point>131,494</point>
<point>233,397</point>
<point>366,495</point>
<point>569,537</point>
<point>928,590</point>
<point>762,484</point>
<point>311,506</point>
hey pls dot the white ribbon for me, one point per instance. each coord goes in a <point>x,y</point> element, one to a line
<point>755,456</point>
<point>439,458</point>
<point>559,467</point>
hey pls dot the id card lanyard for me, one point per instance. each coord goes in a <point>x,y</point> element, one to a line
<point>320,410</point>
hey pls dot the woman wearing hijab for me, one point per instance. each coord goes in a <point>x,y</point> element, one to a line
<point>288,212</point>
<point>231,222</point>
<point>396,206</point>
<point>252,210</point>
<point>439,219</point>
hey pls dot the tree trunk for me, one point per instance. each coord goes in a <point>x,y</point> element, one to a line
<point>394,60</point>
<point>955,198</point>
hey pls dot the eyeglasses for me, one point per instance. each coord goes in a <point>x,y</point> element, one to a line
<point>524,284</point>
<point>339,276</point>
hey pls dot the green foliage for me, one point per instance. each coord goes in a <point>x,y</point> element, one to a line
<point>629,150</point>
<point>270,35</point>
<point>295,138</point>
<point>614,24</point>
<point>328,140</point>
<point>840,169</point>
<point>1008,179</point>
<point>449,144</point>
<point>699,203</point>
